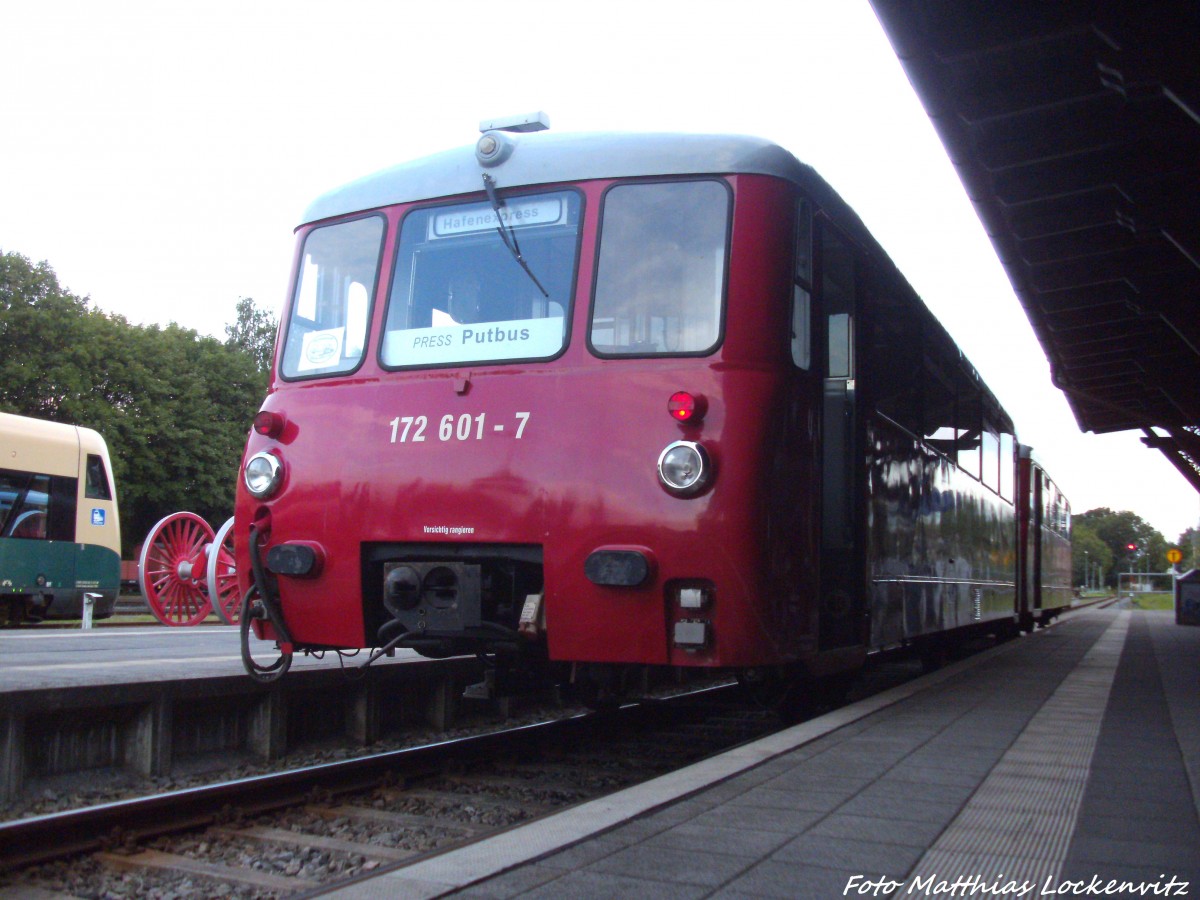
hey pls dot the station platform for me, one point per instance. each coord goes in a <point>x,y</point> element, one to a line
<point>162,702</point>
<point>1063,764</point>
<point>48,659</point>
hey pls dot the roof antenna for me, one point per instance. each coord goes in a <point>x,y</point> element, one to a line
<point>537,121</point>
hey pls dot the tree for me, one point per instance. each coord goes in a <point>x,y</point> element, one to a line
<point>254,332</point>
<point>173,406</point>
<point>1088,551</point>
<point>186,438</point>
<point>37,319</point>
<point>1134,543</point>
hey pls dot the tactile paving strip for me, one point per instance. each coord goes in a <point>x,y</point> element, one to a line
<point>1017,826</point>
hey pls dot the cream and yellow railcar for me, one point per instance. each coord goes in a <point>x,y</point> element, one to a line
<point>60,534</point>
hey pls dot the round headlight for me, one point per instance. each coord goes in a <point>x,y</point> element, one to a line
<point>262,474</point>
<point>684,468</point>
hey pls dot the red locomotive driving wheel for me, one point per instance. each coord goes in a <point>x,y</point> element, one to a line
<point>222,576</point>
<point>173,569</point>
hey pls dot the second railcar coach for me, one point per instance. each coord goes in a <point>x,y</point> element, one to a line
<point>615,400</point>
<point>60,535</point>
<point>1044,536</point>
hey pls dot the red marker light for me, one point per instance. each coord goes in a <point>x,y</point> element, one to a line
<point>683,407</point>
<point>269,424</point>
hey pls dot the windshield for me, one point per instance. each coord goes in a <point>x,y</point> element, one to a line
<point>459,293</point>
<point>328,324</point>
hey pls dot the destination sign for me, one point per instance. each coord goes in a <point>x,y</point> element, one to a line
<point>481,217</point>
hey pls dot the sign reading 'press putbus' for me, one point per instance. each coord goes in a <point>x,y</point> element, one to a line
<point>479,342</point>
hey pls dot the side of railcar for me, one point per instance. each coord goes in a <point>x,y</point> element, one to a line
<point>1045,537</point>
<point>59,526</point>
<point>918,462</point>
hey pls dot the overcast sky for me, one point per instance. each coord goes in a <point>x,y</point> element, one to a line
<point>159,155</point>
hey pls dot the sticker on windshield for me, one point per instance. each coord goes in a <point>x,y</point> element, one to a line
<point>320,349</point>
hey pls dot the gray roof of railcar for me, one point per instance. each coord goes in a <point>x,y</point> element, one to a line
<point>550,157</point>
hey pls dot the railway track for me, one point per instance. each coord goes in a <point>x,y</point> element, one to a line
<point>293,832</point>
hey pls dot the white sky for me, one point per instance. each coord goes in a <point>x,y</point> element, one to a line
<point>159,155</point>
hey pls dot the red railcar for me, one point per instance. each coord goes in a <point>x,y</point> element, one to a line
<point>618,399</point>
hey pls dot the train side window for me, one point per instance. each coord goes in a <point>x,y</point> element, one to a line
<point>96,487</point>
<point>660,277</point>
<point>39,507</point>
<point>837,293</point>
<point>969,429</point>
<point>991,458</point>
<point>937,405</point>
<point>327,325</point>
<point>889,349</point>
<point>802,289</point>
<point>63,503</point>
<point>801,319</point>
<point>1007,466</point>
<point>31,518</point>
<point>12,486</point>
<point>1058,511</point>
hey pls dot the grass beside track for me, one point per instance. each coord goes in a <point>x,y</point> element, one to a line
<point>1164,600</point>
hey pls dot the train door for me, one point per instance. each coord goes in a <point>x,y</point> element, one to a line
<point>841,592</point>
<point>1027,537</point>
<point>1037,526</point>
<point>795,503</point>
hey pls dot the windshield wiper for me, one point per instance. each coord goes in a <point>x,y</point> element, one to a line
<point>508,235</point>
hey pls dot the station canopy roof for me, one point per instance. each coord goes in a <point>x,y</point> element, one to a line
<point>1075,128</point>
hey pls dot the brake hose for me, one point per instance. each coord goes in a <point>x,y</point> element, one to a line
<point>267,605</point>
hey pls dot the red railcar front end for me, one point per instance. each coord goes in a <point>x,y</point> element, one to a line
<point>537,419</point>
